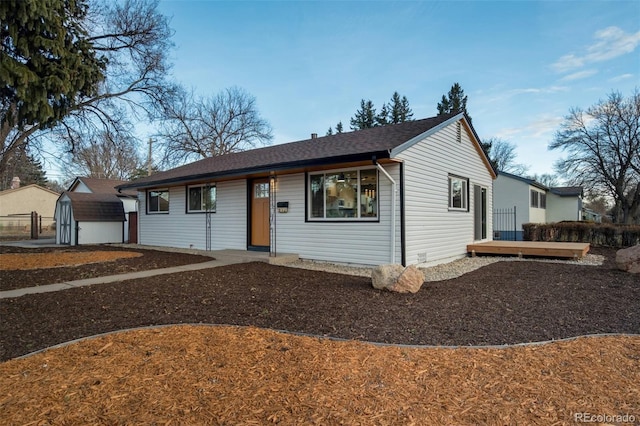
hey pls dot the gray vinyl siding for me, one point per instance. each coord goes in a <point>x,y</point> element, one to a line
<point>363,243</point>
<point>182,230</point>
<point>433,232</point>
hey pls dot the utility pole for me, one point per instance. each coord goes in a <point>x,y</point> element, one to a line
<point>149,158</point>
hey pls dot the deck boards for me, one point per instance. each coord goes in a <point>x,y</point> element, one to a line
<point>530,248</point>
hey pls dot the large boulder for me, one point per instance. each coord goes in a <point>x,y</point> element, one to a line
<point>397,278</point>
<point>629,259</point>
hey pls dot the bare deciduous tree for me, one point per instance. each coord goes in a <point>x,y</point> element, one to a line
<point>196,127</point>
<point>502,155</point>
<point>104,156</point>
<point>603,152</point>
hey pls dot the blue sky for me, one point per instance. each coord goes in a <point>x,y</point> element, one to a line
<point>523,64</point>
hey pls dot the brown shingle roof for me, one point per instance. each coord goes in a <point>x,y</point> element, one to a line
<point>343,147</point>
<point>105,186</point>
<point>96,207</point>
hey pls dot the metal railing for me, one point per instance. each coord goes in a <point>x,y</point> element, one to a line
<point>504,224</point>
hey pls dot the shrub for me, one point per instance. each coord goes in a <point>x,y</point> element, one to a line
<point>597,234</point>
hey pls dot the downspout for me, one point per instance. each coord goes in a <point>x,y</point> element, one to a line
<point>393,208</point>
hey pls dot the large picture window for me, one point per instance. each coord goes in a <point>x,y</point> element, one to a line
<point>158,201</point>
<point>458,193</point>
<point>344,195</point>
<point>201,198</point>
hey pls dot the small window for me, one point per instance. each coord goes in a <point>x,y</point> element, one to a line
<point>543,200</point>
<point>201,198</point>
<point>158,201</point>
<point>261,190</point>
<point>344,195</point>
<point>458,193</point>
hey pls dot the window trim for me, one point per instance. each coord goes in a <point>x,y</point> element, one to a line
<point>539,201</point>
<point>325,219</point>
<point>465,195</point>
<point>148,197</point>
<point>202,185</point>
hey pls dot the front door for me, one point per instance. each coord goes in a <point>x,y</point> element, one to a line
<point>259,213</point>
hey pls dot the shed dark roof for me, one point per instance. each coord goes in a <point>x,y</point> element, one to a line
<point>526,180</point>
<point>89,207</point>
<point>344,147</point>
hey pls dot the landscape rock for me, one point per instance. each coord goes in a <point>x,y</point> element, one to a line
<point>628,259</point>
<point>397,278</point>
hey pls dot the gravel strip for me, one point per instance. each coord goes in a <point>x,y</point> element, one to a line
<point>444,271</point>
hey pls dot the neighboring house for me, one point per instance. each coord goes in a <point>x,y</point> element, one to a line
<point>19,202</point>
<point>412,193</point>
<point>93,211</point>
<point>533,203</point>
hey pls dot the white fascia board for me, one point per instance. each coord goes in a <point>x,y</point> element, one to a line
<point>408,144</point>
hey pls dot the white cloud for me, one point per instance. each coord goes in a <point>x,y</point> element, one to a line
<point>609,43</point>
<point>579,75</point>
<point>621,78</point>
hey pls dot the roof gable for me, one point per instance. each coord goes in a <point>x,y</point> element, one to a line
<point>100,186</point>
<point>32,186</point>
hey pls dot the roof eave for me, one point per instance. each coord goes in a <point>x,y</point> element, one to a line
<point>278,167</point>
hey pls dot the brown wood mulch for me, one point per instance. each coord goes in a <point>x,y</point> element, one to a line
<point>25,261</point>
<point>90,266</point>
<point>229,375</point>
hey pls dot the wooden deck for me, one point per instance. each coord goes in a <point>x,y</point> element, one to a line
<point>530,248</point>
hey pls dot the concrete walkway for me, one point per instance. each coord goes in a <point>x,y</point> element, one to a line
<point>221,258</point>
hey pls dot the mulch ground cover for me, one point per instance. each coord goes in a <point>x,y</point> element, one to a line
<point>199,375</point>
<point>506,302</point>
<point>227,375</point>
<point>91,263</point>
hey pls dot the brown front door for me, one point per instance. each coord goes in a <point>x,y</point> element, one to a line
<point>260,213</point>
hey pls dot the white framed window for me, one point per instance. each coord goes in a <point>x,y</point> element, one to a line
<point>458,193</point>
<point>343,195</point>
<point>543,200</point>
<point>201,198</point>
<point>158,201</point>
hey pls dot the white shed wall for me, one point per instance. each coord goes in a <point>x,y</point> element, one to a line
<point>357,242</point>
<point>179,229</point>
<point>563,208</point>
<point>97,232</point>
<point>432,231</point>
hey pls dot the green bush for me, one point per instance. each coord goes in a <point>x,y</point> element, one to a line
<point>597,234</point>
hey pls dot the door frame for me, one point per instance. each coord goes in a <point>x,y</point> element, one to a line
<point>250,183</point>
<point>480,207</point>
<point>65,222</point>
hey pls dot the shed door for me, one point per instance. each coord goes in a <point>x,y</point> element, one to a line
<point>65,222</point>
<point>260,213</point>
<point>480,212</point>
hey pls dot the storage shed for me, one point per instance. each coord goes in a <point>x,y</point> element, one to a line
<point>86,218</point>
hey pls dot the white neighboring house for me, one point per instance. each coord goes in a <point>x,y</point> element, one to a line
<point>533,203</point>
<point>412,193</point>
<point>93,211</point>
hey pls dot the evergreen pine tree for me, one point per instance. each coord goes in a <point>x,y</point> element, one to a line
<point>339,128</point>
<point>454,102</point>
<point>365,117</point>
<point>382,119</point>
